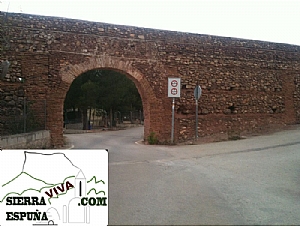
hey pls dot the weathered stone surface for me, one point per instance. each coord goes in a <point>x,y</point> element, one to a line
<point>33,140</point>
<point>246,85</point>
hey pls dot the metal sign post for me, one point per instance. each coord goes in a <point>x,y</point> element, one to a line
<point>173,119</point>
<point>197,94</point>
<point>173,92</point>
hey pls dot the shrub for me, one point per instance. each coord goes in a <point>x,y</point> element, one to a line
<point>152,139</point>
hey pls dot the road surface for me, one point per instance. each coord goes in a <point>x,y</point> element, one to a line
<point>254,181</point>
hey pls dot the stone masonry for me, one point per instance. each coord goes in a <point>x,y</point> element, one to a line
<point>247,86</point>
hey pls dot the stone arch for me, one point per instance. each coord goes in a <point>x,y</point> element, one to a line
<point>70,72</point>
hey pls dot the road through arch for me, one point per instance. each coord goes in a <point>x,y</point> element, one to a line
<point>70,72</point>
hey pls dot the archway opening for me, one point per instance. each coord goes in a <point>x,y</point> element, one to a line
<point>102,98</point>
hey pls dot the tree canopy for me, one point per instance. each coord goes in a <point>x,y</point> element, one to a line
<point>103,89</point>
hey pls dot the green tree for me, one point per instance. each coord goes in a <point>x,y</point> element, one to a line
<point>102,89</point>
<point>88,100</point>
<point>118,92</point>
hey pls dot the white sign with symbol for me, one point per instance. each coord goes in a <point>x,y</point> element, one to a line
<point>174,87</point>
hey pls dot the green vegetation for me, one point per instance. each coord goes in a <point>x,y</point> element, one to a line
<point>152,139</point>
<point>105,90</point>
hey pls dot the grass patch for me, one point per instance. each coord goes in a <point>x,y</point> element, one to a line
<point>152,139</point>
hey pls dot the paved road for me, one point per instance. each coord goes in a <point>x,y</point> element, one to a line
<point>255,181</point>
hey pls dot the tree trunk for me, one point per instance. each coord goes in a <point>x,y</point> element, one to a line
<point>84,119</point>
<point>111,118</point>
<point>94,112</point>
<point>90,118</point>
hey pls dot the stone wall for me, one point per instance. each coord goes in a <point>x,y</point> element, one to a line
<point>247,85</point>
<point>31,140</point>
<point>11,108</point>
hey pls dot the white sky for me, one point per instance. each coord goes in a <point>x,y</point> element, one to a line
<point>268,20</point>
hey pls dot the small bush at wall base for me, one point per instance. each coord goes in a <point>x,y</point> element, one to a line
<point>152,139</point>
<point>234,135</point>
<point>234,138</point>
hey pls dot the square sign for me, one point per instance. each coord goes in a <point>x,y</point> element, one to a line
<point>174,87</point>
